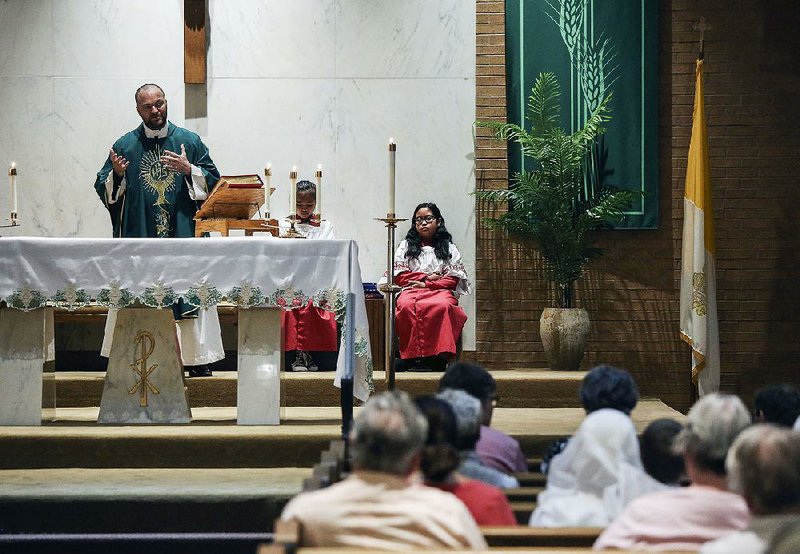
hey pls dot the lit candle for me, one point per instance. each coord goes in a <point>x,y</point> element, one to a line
<point>12,174</point>
<point>268,176</point>
<point>392,153</point>
<point>318,175</point>
<point>293,193</point>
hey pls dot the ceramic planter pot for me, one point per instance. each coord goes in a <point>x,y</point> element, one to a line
<point>564,332</point>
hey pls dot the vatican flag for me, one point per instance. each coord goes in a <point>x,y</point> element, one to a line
<point>699,325</point>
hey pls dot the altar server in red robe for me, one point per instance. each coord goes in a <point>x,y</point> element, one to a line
<point>310,335</point>
<point>428,267</point>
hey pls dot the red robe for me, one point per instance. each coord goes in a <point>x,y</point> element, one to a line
<point>428,321</point>
<point>309,328</point>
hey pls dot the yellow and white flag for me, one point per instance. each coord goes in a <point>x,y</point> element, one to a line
<point>699,325</point>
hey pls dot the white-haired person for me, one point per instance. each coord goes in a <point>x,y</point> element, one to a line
<point>467,410</point>
<point>380,505</point>
<point>764,467</point>
<point>687,517</point>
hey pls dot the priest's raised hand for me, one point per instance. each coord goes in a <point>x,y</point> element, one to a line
<point>177,162</point>
<point>119,163</point>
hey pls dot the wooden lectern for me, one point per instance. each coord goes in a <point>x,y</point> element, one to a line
<point>232,205</point>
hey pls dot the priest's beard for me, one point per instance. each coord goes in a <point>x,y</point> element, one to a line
<point>156,123</point>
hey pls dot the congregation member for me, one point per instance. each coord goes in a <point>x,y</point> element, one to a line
<point>663,468</point>
<point>467,410</point>
<point>684,518</point>
<point>378,506</point>
<point>310,334</point>
<point>764,467</point>
<point>778,404</point>
<point>603,386</point>
<point>659,459</point>
<point>495,448</point>
<point>152,183</point>
<point>603,449</point>
<point>440,461</point>
<point>428,268</point>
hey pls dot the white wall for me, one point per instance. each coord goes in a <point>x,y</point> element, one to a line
<point>297,82</point>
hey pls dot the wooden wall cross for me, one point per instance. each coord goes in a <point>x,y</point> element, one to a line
<point>194,41</point>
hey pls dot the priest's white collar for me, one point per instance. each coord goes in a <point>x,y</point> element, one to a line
<point>161,133</point>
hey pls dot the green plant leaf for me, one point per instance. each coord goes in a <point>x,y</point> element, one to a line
<point>550,205</point>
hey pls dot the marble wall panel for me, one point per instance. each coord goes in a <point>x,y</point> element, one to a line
<point>26,39</point>
<point>26,138</point>
<point>142,40</point>
<point>273,38</point>
<point>412,38</point>
<point>287,122</point>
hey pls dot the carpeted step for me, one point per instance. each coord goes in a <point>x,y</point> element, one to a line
<point>515,388</point>
<point>214,440</point>
<point>145,500</point>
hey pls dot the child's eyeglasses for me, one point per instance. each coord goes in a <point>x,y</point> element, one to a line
<point>426,219</point>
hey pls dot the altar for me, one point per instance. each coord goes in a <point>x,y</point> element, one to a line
<point>259,275</point>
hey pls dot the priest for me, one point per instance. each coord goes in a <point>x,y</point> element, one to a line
<point>152,184</point>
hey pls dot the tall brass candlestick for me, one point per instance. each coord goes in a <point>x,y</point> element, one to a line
<point>390,291</point>
<point>318,175</point>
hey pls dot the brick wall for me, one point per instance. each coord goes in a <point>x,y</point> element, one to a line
<point>752,77</point>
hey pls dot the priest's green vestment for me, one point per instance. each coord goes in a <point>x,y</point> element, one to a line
<point>156,201</point>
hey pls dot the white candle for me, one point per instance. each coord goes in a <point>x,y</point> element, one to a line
<point>318,175</point>
<point>392,153</point>
<point>268,177</point>
<point>12,174</point>
<point>293,193</point>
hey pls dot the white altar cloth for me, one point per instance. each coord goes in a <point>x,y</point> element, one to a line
<point>250,271</point>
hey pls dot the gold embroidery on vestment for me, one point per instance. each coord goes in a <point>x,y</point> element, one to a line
<point>158,179</point>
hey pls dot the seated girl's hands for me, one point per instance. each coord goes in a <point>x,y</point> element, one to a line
<point>416,284</point>
<point>434,276</point>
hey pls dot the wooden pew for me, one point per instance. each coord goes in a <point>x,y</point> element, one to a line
<point>526,494</point>
<point>532,550</point>
<point>140,542</point>
<point>524,536</point>
<point>288,537</point>
<point>531,478</point>
<point>523,502</point>
<point>329,469</point>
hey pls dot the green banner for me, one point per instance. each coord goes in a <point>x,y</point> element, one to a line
<point>595,49</point>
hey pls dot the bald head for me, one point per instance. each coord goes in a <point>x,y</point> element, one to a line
<point>764,467</point>
<point>148,88</point>
<point>388,433</point>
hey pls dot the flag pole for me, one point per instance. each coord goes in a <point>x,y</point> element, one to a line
<point>701,26</point>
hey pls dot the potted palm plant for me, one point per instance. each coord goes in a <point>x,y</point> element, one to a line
<point>556,205</point>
